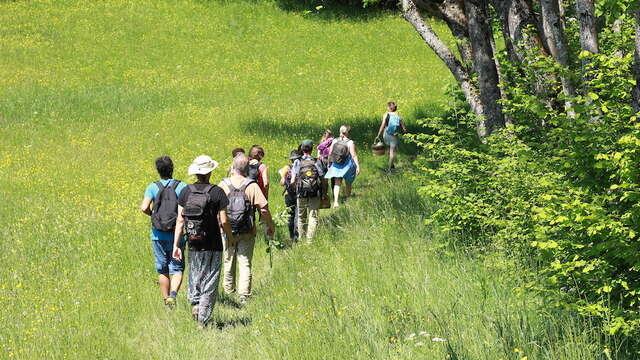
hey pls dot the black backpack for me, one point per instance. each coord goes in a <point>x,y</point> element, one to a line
<point>254,171</point>
<point>308,179</point>
<point>340,152</point>
<point>195,211</point>
<point>240,211</point>
<point>165,207</point>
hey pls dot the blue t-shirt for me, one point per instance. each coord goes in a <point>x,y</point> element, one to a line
<point>151,192</point>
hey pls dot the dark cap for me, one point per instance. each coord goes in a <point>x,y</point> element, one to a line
<point>295,155</point>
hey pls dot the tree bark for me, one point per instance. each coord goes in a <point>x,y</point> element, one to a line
<point>636,64</point>
<point>411,14</point>
<point>557,45</point>
<point>484,65</point>
<point>588,32</point>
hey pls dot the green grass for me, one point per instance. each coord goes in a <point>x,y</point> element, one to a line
<point>92,92</point>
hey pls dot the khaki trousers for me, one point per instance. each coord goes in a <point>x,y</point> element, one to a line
<point>308,209</point>
<point>241,254</point>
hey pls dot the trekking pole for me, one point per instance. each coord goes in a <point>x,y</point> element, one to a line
<point>270,251</point>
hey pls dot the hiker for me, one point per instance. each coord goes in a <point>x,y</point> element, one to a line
<point>323,155</point>
<point>324,146</point>
<point>244,197</point>
<point>391,124</point>
<point>235,152</point>
<point>163,194</point>
<point>200,205</point>
<point>258,171</point>
<point>290,196</point>
<point>344,164</point>
<point>307,174</point>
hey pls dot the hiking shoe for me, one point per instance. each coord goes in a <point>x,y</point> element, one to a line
<point>170,303</point>
<point>194,312</point>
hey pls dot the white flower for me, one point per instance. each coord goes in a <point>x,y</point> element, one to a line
<point>419,343</point>
<point>424,333</point>
<point>437,339</point>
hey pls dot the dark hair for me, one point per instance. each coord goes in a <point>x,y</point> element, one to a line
<point>256,152</point>
<point>306,149</point>
<point>164,165</point>
<point>392,105</point>
<point>236,151</point>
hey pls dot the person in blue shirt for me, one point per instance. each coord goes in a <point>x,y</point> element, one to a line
<point>169,269</point>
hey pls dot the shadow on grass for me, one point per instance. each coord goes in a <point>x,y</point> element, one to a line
<point>232,323</point>
<point>363,131</point>
<point>332,10</point>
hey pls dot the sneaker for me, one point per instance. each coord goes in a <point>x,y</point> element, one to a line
<point>170,303</point>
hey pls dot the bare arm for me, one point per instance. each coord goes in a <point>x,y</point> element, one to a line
<point>354,156</point>
<point>145,206</point>
<point>226,226</point>
<point>404,127</point>
<point>265,180</point>
<point>382,125</point>
<point>266,217</point>
<point>177,235</point>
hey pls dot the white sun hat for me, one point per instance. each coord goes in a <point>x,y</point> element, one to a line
<point>202,165</point>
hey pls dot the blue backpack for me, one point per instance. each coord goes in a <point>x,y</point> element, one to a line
<point>393,123</point>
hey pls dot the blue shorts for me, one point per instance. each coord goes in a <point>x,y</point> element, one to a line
<point>165,263</point>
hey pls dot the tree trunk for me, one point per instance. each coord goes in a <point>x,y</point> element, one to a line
<point>412,15</point>
<point>558,47</point>
<point>484,65</point>
<point>636,64</point>
<point>452,13</point>
<point>588,32</point>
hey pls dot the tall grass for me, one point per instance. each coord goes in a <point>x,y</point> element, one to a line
<point>91,92</point>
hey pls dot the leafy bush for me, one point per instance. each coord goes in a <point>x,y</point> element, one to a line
<point>559,193</point>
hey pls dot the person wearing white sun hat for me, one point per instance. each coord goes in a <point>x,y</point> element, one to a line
<point>200,205</point>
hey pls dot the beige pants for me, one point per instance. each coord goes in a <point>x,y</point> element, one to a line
<point>240,253</point>
<point>308,216</point>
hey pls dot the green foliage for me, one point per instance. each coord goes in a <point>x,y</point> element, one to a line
<point>557,193</point>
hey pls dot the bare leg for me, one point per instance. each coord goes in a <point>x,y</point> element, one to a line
<point>176,281</point>
<point>336,192</point>
<point>392,156</point>
<point>164,284</point>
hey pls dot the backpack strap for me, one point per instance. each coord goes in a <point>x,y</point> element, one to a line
<point>246,183</point>
<point>229,184</point>
<point>174,184</point>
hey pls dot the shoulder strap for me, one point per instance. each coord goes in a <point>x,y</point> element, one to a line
<point>174,184</point>
<point>386,120</point>
<point>193,188</point>
<point>246,183</point>
<point>229,184</point>
<point>208,188</point>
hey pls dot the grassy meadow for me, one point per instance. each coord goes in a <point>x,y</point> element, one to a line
<point>92,92</point>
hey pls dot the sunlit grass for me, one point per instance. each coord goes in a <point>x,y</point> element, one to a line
<point>92,92</point>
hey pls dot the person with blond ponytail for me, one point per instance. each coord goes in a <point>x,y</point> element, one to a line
<point>344,164</point>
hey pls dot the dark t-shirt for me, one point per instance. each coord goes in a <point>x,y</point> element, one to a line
<point>219,201</point>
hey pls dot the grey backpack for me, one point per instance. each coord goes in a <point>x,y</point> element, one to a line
<point>340,152</point>
<point>165,207</point>
<point>240,211</point>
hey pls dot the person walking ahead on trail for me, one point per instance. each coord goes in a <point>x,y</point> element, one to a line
<point>324,146</point>
<point>244,197</point>
<point>344,164</point>
<point>307,175</point>
<point>390,127</point>
<point>258,171</point>
<point>200,205</point>
<point>290,194</point>
<point>163,194</point>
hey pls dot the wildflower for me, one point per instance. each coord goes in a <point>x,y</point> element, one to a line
<point>419,343</point>
<point>437,339</point>
<point>424,333</point>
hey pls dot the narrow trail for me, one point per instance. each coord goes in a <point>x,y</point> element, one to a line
<point>377,282</point>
